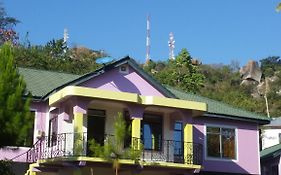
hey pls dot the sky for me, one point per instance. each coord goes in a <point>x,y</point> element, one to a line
<point>217,31</point>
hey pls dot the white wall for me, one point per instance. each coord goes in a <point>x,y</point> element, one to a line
<point>270,137</point>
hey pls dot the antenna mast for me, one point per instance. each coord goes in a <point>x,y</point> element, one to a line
<point>147,58</point>
<point>65,35</point>
<point>171,44</point>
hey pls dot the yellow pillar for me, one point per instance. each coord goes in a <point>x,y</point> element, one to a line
<point>136,132</point>
<point>78,133</point>
<point>188,143</point>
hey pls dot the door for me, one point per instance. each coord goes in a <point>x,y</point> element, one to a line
<point>96,126</point>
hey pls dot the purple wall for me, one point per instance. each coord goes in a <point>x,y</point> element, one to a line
<point>41,109</point>
<point>115,81</point>
<point>18,153</point>
<point>247,142</point>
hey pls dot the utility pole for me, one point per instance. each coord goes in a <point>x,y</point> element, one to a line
<point>265,96</point>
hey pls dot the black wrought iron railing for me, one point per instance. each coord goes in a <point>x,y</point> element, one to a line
<point>151,150</point>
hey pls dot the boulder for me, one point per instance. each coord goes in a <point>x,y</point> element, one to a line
<point>251,71</point>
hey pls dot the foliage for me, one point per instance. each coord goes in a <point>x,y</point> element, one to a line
<point>223,84</point>
<point>55,56</point>
<point>56,48</point>
<point>6,168</point>
<point>114,149</point>
<point>7,24</point>
<point>270,65</point>
<point>15,118</point>
<point>179,73</point>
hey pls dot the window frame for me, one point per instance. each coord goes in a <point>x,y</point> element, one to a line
<point>235,139</point>
<point>181,139</point>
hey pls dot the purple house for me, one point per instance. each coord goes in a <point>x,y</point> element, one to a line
<point>175,132</point>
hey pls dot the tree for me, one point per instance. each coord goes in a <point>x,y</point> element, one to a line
<point>270,65</point>
<point>181,73</point>
<point>15,117</point>
<point>114,148</point>
<point>7,24</point>
<point>56,48</point>
<point>6,168</point>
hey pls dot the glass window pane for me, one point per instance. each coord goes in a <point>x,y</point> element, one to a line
<point>178,126</point>
<point>213,145</point>
<point>228,143</point>
<point>213,130</point>
<point>147,136</point>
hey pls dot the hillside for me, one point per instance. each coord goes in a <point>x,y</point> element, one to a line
<point>228,83</point>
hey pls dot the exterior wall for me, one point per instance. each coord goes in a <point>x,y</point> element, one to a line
<point>124,82</point>
<point>247,145</point>
<point>270,137</point>
<point>41,118</point>
<point>16,153</point>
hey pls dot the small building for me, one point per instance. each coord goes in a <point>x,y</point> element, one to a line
<point>180,133</point>
<point>271,148</point>
<point>271,133</point>
<point>270,160</point>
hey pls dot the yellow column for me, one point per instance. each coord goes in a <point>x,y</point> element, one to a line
<point>188,143</point>
<point>78,133</point>
<point>136,131</point>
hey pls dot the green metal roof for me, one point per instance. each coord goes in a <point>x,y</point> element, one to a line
<point>272,151</point>
<point>41,82</point>
<point>216,107</point>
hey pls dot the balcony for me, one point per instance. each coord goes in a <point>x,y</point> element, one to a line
<point>70,145</point>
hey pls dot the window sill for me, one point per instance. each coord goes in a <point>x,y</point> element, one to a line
<point>220,159</point>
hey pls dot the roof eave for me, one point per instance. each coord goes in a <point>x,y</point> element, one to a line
<point>258,121</point>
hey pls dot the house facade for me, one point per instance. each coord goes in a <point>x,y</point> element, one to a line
<point>175,132</point>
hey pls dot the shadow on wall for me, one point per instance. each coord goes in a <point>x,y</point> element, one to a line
<point>216,167</point>
<point>113,80</point>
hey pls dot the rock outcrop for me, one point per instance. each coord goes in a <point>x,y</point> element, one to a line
<point>251,73</point>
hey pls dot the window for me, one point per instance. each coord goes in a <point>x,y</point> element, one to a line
<point>152,132</point>
<point>221,142</point>
<point>53,131</point>
<point>178,137</point>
